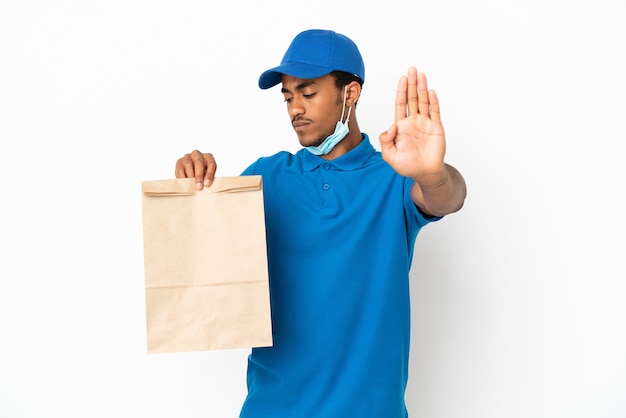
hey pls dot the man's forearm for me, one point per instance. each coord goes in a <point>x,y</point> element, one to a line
<point>444,197</point>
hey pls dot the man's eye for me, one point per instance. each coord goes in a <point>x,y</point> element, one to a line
<point>308,96</point>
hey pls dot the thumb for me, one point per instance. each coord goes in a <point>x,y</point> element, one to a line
<point>387,138</point>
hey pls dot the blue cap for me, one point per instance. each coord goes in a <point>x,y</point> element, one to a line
<point>315,53</point>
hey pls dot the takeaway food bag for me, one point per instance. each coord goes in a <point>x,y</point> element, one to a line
<point>205,264</point>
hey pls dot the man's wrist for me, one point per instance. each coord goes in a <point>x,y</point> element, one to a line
<point>435,185</point>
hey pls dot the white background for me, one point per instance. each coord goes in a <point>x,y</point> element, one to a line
<point>518,300</point>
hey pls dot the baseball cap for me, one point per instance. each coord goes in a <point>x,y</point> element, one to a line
<point>315,53</point>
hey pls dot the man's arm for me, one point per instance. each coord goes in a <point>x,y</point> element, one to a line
<point>415,147</point>
<point>444,197</point>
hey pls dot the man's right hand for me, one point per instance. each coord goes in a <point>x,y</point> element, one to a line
<point>197,165</point>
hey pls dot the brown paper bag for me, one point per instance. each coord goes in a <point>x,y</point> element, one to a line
<point>205,264</point>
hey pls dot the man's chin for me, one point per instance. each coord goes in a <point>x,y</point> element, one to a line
<point>309,143</point>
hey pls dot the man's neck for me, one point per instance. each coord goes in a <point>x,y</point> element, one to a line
<point>351,141</point>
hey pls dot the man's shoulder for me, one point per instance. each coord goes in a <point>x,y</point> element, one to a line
<point>277,159</point>
<point>271,163</point>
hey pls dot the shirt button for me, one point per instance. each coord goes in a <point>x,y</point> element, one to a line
<point>326,186</point>
<point>327,166</point>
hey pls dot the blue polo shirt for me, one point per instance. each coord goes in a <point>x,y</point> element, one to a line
<point>340,238</point>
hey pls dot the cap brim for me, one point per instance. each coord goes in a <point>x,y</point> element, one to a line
<point>273,76</point>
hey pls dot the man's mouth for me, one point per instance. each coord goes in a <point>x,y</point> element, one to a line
<point>300,125</point>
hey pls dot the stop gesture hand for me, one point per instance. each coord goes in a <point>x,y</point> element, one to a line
<point>415,144</point>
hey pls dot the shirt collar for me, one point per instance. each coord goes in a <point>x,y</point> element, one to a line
<point>351,160</point>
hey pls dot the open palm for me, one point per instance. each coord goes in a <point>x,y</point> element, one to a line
<point>415,144</point>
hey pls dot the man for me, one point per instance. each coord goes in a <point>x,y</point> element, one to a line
<point>341,221</point>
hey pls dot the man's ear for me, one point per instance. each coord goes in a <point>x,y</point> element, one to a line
<point>353,92</point>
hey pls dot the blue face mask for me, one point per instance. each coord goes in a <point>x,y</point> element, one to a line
<point>341,130</point>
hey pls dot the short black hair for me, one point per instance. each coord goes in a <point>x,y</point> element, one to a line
<point>343,78</point>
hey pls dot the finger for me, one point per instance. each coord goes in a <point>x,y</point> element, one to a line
<point>388,137</point>
<point>201,167</point>
<point>401,98</point>
<point>197,168</point>
<point>183,165</point>
<point>422,92</point>
<point>211,168</point>
<point>412,93</point>
<point>435,115</point>
<point>387,141</point>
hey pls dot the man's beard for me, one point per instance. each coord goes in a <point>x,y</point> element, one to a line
<point>319,140</point>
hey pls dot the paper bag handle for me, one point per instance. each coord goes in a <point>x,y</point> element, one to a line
<point>187,187</point>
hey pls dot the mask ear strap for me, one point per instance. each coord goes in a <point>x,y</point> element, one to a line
<point>347,117</point>
<point>345,97</point>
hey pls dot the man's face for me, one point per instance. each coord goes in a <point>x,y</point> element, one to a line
<point>314,107</point>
